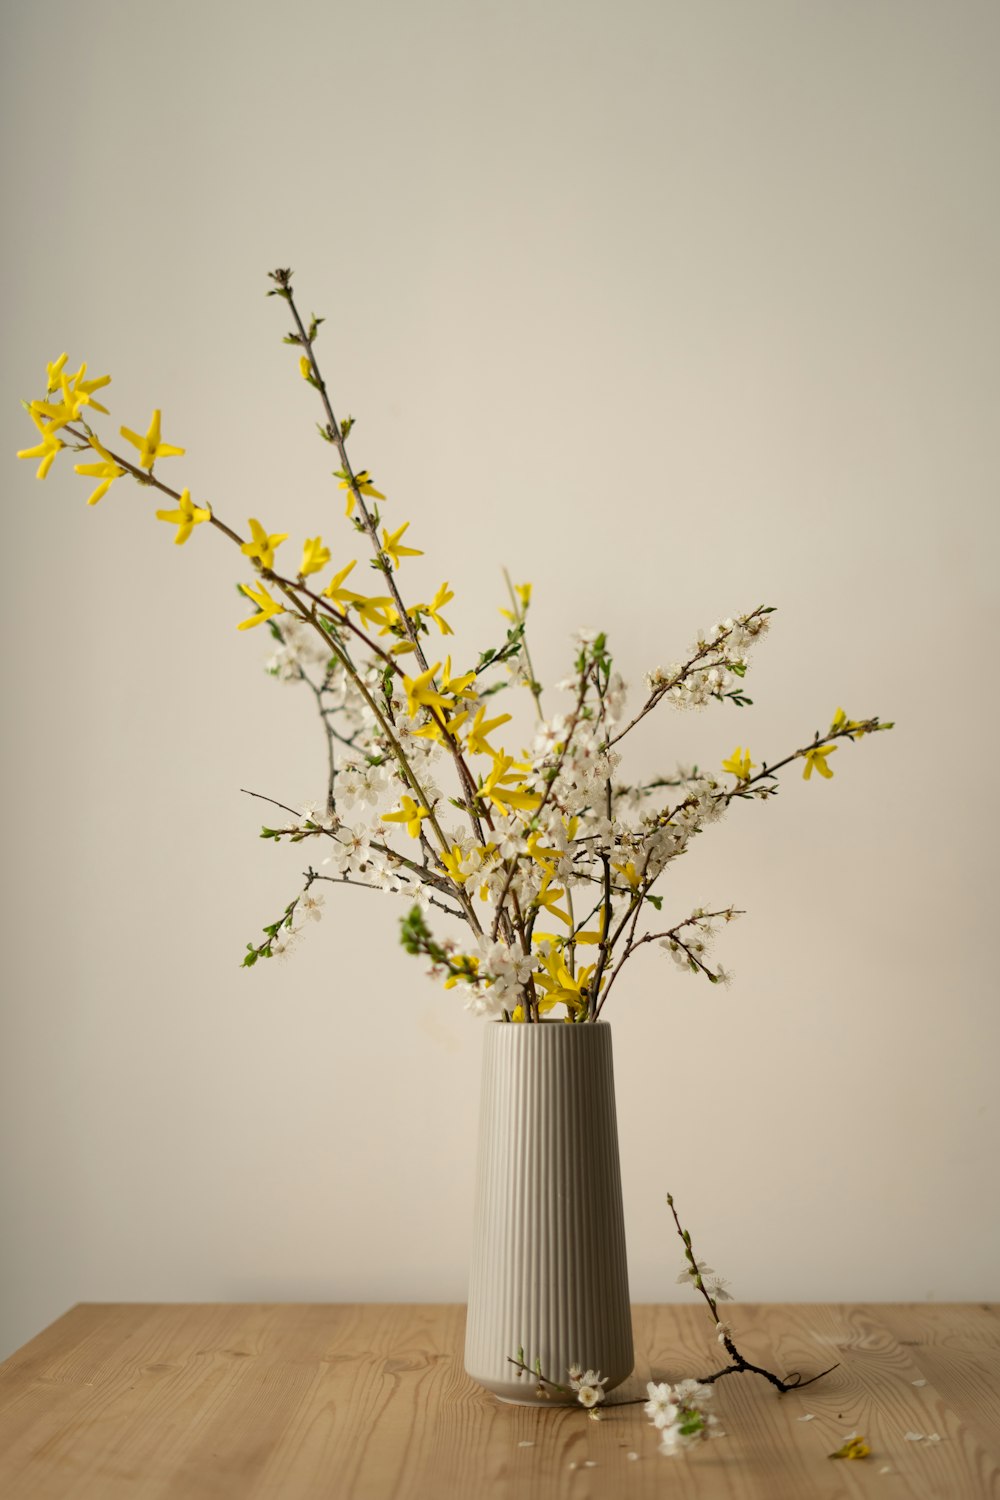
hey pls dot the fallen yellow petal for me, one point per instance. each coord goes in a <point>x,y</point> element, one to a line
<point>853,1447</point>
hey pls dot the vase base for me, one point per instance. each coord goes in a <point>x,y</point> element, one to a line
<point>536,1401</point>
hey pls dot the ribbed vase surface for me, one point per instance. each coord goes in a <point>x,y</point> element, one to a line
<point>548,1254</point>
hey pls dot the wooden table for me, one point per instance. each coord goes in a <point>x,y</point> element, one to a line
<point>370,1402</point>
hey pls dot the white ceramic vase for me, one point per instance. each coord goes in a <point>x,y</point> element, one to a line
<point>548,1270</point>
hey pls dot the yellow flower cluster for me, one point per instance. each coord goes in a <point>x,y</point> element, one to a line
<point>69,396</point>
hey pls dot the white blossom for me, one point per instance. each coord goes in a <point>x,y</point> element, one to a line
<point>589,1386</point>
<point>414,890</point>
<point>691,1274</point>
<point>483,1000</point>
<point>363,784</point>
<point>283,944</point>
<point>692,1393</point>
<point>661,1408</point>
<point>311,906</point>
<point>508,967</point>
<point>352,850</point>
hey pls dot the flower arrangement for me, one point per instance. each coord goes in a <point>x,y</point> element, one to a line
<point>547,854</point>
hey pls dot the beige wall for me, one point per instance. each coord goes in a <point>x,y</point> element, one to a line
<point>674,308</point>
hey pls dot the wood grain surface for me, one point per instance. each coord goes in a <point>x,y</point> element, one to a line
<point>370,1402</point>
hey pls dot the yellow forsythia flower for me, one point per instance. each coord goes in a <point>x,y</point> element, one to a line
<point>393,547</point>
<point>262,546</point>
<point>739,764</point>
<point>334,591</point>
<point>186,517</point>
<point>447,729</point>
<point>523,592</point>
<point>816,758</point>
<point>546,901</point>
<point>267,607</point>
<point>46,450</point>
<point>421,692</point>
<point>410,813</point>
<point>629,873</point>
<point>480,728</point>
<point>451,859</point>
<point>560,985</point>
<point>107,473</point>
<point>504,797</point>
<point>841,721</point>
<point>314,557</point>
<point>457,687</point>
<point>443,596</point>
<point>150,447</point>
<point>362,484</point>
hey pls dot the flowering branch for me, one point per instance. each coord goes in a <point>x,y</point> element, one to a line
<point>519,607</point>
<point>334,433</point>
<point>713,661</point>
<point>586,1386</point>
<point>713,1291</point>
<point>311,827</point>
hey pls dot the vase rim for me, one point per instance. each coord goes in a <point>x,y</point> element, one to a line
<point>547,1021</point>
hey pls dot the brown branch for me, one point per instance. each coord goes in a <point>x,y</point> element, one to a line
<point>740,1365</point>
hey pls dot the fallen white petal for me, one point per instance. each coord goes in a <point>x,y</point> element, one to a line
<point>591,1463</point>
<point>807,1418</point>
<point>933,1437</point>
<point>885,1469</point>
<point>632,1456</point>
<point>913,1437</point>
<point>918,1382</point>
<point>526,1443</point>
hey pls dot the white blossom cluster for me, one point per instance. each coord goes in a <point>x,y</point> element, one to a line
<point>679,1412</point>
<point>527,858</point>
<point>589,1386</point>
<point>689,944</point>
<point>709,671</point>
<point>509,969</point>
<point>300,650</point>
